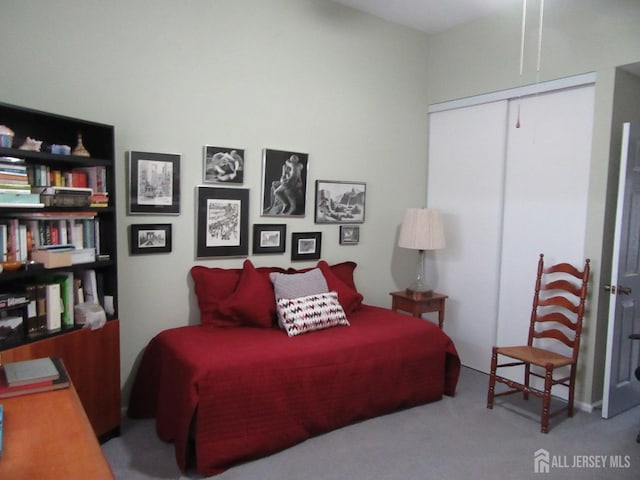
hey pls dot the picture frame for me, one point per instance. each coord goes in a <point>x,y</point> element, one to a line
<point>223,165</point>
<point>306,246</point>
<point>269,238</point>
<point>340,202</point>
<point>284,183</point>
<point>150,238</point>
<point>222,222</point>
<point>153,183</point>
<point>349,234</point>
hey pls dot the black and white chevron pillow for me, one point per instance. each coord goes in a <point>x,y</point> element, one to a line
<point>312,312</point>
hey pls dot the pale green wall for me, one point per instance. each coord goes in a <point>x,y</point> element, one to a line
<point>578,36</point>
<point>307,75</point>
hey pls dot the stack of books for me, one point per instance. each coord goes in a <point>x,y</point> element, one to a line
<point>32,376</point>
<point>15,189</point>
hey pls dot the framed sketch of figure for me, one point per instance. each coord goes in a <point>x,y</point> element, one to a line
<point>223,165</point>
<point>154,183</point>
<point>284,183</point>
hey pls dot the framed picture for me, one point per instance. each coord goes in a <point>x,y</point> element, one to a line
<point>306,246</point>
<point>349,234</point>
<point>284,183</point>
<point>269,238</point>
<point>222,222</point>
<point>223,165</point>
<point>154,238</point>
<point>340,202</point>
<point>154,183</point>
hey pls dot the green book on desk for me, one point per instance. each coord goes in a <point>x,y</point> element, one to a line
<point>30,371</point>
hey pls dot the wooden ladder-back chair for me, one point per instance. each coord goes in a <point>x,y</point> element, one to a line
<point>558,309</point>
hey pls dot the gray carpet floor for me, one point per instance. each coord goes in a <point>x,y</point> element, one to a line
<point>455,438</point>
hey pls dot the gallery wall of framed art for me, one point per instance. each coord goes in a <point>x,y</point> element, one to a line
<point>223,209</point>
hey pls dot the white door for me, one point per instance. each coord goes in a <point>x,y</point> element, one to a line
<point>465,181</point>
<point>621,388</point>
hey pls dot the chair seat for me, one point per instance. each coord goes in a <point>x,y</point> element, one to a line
<point>535,356</point>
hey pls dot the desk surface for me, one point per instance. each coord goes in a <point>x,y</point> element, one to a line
<point>48,436</point>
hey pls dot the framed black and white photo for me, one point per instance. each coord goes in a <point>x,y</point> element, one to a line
<point>154,238</point>
<point>306,246</point>
<point>269,238</point>
<point>154,183</point>
<point>223,165</point>
<point>340,202</point>
<point>222,222</point>
<point>349,234</point>
<point>284,183</point>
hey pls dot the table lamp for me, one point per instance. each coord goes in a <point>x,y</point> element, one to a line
<point>421,230</point>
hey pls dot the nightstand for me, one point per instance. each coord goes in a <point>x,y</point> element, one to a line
<point>418,306</point>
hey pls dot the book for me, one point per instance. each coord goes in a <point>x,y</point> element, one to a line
<point>30,371</point>
<point>62,381</point>
<point>33,326</point>
<point>54,306</point>
<point>90,286</point>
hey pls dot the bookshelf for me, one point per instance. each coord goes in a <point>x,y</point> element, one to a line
<point>67,222</point>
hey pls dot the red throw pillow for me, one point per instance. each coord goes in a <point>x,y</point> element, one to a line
<point>212,286</point>
<point>349,298</point>
<point>253,302</point>
<point>344,271</point>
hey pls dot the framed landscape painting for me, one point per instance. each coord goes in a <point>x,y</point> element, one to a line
<point>269,238</point>
<point>222,222</point>
<point>306,246</point>
<point>340,202</point>
<point>154,238</point>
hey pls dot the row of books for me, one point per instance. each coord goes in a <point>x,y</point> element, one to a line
<point>46,306</point>
<point>30,185</point>
<point>94,177</point>
<point>25,233</point>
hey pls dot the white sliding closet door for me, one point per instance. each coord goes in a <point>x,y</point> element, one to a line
<point>466,152</point>
<point>506,194</point>
<point>546,193</point>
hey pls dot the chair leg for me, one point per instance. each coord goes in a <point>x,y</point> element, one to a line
<point>546,399</point>
<point>527,375</point>
<point>572,382</point>
<point>492,378</point>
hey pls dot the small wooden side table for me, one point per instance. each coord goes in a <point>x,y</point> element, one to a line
<point>418,306</point>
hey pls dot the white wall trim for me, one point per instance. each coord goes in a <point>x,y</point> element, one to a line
<point>532,89</point>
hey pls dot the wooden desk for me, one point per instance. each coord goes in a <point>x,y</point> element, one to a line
<point>418,306</point>
<point>48,436</point>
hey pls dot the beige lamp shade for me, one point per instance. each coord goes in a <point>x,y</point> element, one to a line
<point>421,229</point>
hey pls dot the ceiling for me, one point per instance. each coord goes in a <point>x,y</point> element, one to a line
<point>430,15</point>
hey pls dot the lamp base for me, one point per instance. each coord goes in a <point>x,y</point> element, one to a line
<point>418,294</point>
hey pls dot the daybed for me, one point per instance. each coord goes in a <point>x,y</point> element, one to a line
<point>237,387</point>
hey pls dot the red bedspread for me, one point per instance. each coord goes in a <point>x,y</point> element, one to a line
<point>255,391</point>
